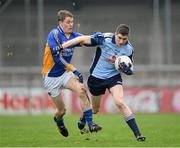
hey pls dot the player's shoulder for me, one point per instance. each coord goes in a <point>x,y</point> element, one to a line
<point>76,34</point>
<point>52,32</point>
<point>129,46</point>
<point>108,35</point>
<point>51,37</point>
<point>128,49</point>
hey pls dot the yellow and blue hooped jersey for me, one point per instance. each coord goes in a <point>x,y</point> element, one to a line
<point>52,64</point>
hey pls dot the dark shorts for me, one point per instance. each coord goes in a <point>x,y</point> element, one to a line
<point>98,86</point>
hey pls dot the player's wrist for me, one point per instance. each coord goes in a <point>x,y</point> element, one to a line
<point>70,67</point>
<point>97,38</point>
<point>79,75</point>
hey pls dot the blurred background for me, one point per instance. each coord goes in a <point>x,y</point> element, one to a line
<point>155,35</point>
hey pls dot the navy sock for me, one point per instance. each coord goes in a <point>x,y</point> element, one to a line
<point>82,118</point>
<point>88,116</point>
<point>59,122</point>
<point>130,120</point>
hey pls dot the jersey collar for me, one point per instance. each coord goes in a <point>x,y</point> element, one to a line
<point>60,30</point>
<point>113,39</point>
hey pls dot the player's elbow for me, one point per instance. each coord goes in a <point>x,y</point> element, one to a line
<point>86,39</point>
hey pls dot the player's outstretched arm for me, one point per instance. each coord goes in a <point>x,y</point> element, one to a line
<point>96,39</point>
<point>84,39</point>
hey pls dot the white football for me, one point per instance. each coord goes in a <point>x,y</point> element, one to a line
<point>121,59</point>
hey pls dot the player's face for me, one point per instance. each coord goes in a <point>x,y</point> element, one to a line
<point>67,25</point>
<point>120,39</point>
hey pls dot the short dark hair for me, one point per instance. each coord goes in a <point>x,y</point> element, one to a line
<point>123,29</point>
<point>62,14</point>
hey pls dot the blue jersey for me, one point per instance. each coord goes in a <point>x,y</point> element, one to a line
<point>53,65</point>
<point>103,63</point>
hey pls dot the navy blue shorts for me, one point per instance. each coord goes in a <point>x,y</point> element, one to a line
<point>98,86</point>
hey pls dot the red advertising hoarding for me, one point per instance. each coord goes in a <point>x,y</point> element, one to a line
<point>36,101</point>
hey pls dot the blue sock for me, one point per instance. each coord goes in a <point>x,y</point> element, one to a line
<point>130,120</point>
<point>88,116</point>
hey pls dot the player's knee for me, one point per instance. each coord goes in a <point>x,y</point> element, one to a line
<point>81,93</point>
<point>120,103</point>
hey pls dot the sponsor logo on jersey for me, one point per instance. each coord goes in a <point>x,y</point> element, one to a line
<point>67,52</point>
<point>111,59</point>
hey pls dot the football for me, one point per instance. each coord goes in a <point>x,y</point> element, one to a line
<point>121,59</point>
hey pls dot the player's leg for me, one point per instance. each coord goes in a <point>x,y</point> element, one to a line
<point>52,85</point>
<point>97,88</point>
<point>81,124</point>
<point>74,85</point>
<point>96,93</point>
<point>117,93</point>
<point>59,113</point>
<point>96,102</point>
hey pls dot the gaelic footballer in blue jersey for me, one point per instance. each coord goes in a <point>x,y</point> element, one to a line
<point>59,74</point>
<point>103,74</point>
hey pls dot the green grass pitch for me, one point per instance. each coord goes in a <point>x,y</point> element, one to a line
<point>161,130</point>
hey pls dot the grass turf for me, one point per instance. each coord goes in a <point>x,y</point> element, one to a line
<point>161,130</point>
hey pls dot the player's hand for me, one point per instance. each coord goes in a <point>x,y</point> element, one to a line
<point>98,37</point>
<point>70,67</point>
<point>79,75</point>
<point>56,50</point>
<point>126,68</point>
